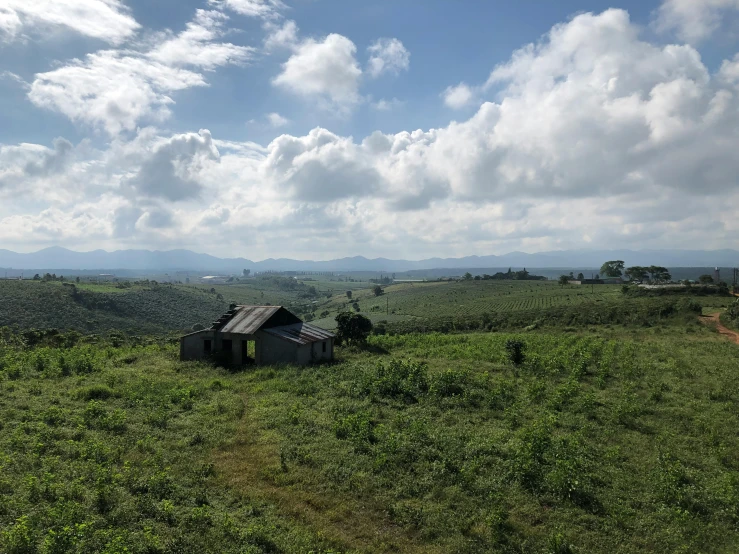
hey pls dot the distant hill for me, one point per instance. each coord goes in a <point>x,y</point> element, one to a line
<point>141,310</point>
<point>67,261</point>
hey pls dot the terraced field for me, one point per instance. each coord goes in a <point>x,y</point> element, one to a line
<point>459,299</point>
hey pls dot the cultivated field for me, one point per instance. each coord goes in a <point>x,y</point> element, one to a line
<point>606,441</point>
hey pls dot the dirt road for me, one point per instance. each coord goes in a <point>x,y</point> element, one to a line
<point>713,320</point>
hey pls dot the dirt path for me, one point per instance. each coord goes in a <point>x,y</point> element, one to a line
<point>713,320</point>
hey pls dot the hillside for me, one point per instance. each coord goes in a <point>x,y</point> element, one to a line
<point>138,310</point>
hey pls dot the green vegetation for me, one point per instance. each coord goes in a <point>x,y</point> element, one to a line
<point>611,440</point>
<point>140,309</point>
<point>612,269</point>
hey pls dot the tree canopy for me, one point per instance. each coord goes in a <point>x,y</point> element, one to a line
<point>613,268</point>
<point>352,327</point>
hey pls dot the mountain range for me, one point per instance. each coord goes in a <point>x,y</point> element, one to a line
<point>62,259</point>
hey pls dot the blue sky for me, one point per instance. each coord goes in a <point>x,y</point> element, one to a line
<point>323,128</point>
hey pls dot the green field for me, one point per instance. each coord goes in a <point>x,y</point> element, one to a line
<point>147,308</point>
<point>605,441</point>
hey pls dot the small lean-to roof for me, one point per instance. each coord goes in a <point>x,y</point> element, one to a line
<point>300,333</point>
<point>247,320</point>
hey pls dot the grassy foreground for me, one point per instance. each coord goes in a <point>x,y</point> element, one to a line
<point>606,441</point>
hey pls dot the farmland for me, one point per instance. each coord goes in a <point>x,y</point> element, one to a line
<point>609,440</point>
<point>146,307</point>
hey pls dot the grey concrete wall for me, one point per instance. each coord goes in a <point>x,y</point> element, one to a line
<point>274,350</point>
<point>191,346</point>
<point>313,352</point>
<point>269,349</point>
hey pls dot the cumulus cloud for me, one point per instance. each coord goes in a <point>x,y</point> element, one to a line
<point>320,166</point>
<point>458,96</point>
<point>195,45</point>
<point>693,20</point>
<point>326,70</point>
<point>116,89</point>
<point>592,136</point>
<point>276,120</point>
<point>106,20</point>
<point>387,55</point>
<point>266,9</point>
<point>112,90</point>
<point>170,169</point>
<point>280,36</point>
<point>384,105</point>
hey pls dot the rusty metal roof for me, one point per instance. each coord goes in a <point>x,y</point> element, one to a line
<point>300,333</point>
<point>247,320</point>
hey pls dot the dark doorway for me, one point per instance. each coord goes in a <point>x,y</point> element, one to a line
<point>207,346</point>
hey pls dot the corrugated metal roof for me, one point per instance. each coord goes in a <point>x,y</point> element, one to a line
<point>300,333</point>
<point>248,319</point>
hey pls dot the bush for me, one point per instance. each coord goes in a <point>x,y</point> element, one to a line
<point>94,392</point>
<point>448,383</point>
<point>399,379</point>
<point>515,350</point>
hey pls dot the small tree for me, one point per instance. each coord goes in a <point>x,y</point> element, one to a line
<point>515,350</point>
<point>352,328</point>
<point>467,276</point>
<point>564,280</point>
<point>246,272</point>
<point>37,277</point>
<point>580,276</point>
<point>377,289</point>
<point>77,279</point>
<point>706,279</point>
<point>349,294</point>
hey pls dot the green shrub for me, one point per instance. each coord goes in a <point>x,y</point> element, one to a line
<point>94,392</point>
<point>404,379</point>
<point>516,351</point>
<point>450,382</point>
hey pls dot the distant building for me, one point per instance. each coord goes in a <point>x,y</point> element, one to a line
<point>214,279</point>
<point>277,335</point>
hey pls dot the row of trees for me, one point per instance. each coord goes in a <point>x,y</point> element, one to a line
<point>51,277</point>
<point>654,273</point>
<point>522,275</point>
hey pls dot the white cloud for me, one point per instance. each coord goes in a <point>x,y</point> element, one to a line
<point>170,167</point>
<point>266,9</point>
<point>595,136</point>
<point>195,45</point>
<point>384,105</point>
<point>693,20</point>
<point>106,20</point>
<point>458,96</point>
<point>387,55</point>
<point>276,120</point>
<point>280,36</point>
<point>112,90</point>
<point>326,70</point>
<point>116,89</point>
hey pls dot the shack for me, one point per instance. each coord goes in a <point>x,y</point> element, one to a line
<point>259,335</point>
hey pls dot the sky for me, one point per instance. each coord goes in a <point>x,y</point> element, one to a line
<point>317,129</point>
